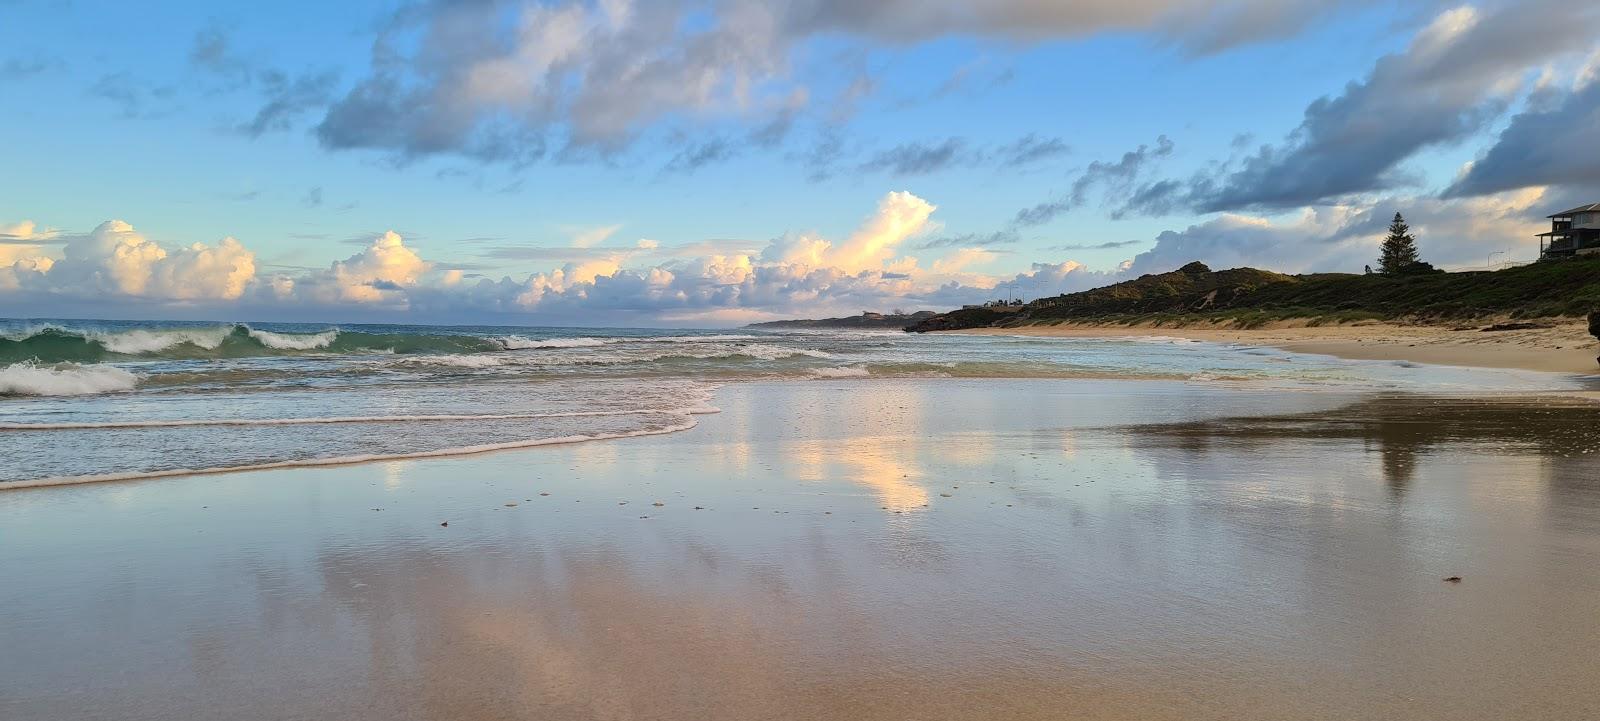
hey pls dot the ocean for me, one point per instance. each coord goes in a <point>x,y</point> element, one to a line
<point>84,401</point>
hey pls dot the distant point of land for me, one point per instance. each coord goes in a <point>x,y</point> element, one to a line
<point>867,319</point>
<point>1252,298</point>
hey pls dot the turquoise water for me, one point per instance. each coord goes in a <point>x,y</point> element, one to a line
<point>90,400</point>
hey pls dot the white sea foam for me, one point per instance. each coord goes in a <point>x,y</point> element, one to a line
<point>66,379</point>
<point>294,341</point>
<point>688,423</point>
<point>699,338</point>
<point>517,342</point>
<point>699,409</point>
<point>844,372</point>
<point>456,361</point>
<point>138,342</point>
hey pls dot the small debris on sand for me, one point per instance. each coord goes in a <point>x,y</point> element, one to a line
<point>511,505</point>
<point>545,493</point>
<point>699,508</point>
<point>658,504</point>
<point>446,523</point>
<point>1453,579</point>
<point>944,495</point>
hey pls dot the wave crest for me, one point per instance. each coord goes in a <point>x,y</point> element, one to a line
<point>66,379</point>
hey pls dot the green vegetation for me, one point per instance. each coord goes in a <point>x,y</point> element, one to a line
<point>897,319</point>
<point>1398,254</point>
<point>1247,297</point>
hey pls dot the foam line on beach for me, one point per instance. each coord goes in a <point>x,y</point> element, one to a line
<point>692,410</point>
<point>689,423</point>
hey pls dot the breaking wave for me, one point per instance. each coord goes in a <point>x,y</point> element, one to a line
<point>65,379</point>
<point>517,342</point>
<point>56,344</point>
<point>61,344</point>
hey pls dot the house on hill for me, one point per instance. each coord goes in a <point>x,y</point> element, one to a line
<point>1572,232</point>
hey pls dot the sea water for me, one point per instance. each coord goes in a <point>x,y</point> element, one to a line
<point>97,400</point>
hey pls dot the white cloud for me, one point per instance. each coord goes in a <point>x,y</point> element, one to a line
<point>590,237</point>
<point>502,80</point>
<point>116,260</point>
<point>794,275</point>
<point>380,273</point>
<point>1344,238</point>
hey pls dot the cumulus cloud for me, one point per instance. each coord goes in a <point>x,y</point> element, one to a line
<point>794,273</point>
<point>379,274</point>
<point>718,281</point>
<point>114,260</point>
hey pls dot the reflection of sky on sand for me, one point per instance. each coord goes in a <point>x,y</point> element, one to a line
<point>1232,568</point>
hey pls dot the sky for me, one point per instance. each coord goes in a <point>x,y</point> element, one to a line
<point>712,163</point>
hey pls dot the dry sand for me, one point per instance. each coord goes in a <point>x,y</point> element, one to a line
<point>1563,347</point>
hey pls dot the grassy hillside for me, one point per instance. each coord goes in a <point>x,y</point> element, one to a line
<point>1248,297</point>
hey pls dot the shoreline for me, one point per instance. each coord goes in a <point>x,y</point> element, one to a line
<point>1564,347</point>
<point>819,548</point>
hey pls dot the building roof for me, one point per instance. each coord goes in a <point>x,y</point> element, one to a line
<point>1590,208</point>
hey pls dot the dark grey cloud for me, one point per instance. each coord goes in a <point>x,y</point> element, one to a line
<point>1029,149</point>
<point>500,81</point>
<point>132,96</point>
<point>1195,26</point>
<point>286,99</point>
<point>1111,179</point>
<point>1559,145</point>
<point>821,159</point>
<point>920,158</point>
<point>312,198</point>
<point>971,240</point>
<point>698,155</point>
<point>1458,74</point>
<point>17,68</point>
<point>1109,245</point>
<point>213,53</point>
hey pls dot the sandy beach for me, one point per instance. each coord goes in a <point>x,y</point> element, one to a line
<point>931,549</point>
<point>1557,346</point>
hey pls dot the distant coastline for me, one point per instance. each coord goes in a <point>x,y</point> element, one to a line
<point>867,319</point>
<point>1528,317</point>
<point>1253,298</point>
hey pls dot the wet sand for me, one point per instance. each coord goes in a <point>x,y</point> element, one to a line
<point>861,550</point>
<point>1562,347</point>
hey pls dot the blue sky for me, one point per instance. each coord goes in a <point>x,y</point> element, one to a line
<point>709,163</point>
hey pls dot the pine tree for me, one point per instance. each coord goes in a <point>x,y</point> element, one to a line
<point>1399,249</point>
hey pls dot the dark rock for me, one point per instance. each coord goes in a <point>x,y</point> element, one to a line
<point>1518,326</point>
<point>1453,579</point>
<point>444,524</point>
